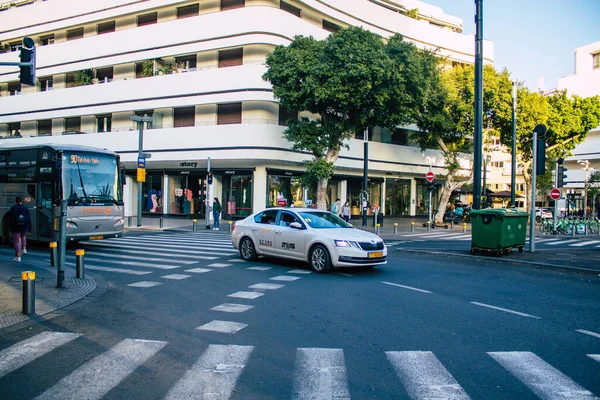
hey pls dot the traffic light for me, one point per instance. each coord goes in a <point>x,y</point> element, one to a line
<point>209,177</point>
<point>27,72</point>
<point>431,186</point>
<point>540,166</point>
<point>561,175</point>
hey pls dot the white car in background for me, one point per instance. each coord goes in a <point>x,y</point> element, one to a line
<point>318,237</point>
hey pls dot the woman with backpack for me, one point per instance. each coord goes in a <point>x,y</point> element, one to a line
<point>20,226</point>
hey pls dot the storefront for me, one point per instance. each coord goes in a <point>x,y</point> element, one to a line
<point>397,197</point>
<point>153,191</point>
<point>423,198</point>
<point>237,193</point>
<point>187,193</point>
<point>284,188</point>
<point>354,189</point>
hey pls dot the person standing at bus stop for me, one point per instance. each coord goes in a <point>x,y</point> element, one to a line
<point>20,226</point>
<point>216,209</point>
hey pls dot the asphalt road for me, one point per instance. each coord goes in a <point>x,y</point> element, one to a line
<point>422,326</point>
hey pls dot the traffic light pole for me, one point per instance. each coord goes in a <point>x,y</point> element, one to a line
<point>207,201</point>
<point>555,217</point>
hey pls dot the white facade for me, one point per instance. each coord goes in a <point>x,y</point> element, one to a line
<point>203,103</point>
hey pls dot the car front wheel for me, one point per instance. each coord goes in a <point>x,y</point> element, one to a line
<point>247,250</point>
<point>320,261</point>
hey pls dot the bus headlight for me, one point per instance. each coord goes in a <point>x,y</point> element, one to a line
<point>120,221</point>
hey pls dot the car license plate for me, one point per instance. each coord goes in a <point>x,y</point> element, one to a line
<point>376,254</point>
<point>98,237</point>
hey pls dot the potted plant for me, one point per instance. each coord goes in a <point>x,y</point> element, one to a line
<point>84,77</point>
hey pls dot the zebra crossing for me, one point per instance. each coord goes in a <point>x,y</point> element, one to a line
<point>318,373</point>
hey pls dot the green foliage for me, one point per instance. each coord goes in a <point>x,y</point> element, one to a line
<point>413,13</point>
<point>84,77</point>
<point>315,171</point>
<point>147,68</point>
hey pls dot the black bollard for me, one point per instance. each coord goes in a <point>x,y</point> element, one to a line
<point>53,254</point>
<point>79,270</point>
<point>28,278</point>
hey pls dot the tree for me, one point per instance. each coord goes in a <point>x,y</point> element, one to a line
<point>593,189</point>
<point>350,81</point>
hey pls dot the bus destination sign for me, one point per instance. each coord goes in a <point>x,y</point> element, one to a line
<point>75,159</point>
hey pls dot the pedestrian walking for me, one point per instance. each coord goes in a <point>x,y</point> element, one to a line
<point>335,207</point>
<point>346,212</point>
<point>20,226</point>
<point>216,209</point>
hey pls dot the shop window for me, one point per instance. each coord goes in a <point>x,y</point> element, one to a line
<point>147,19</point>
<point>285,115</point>
<point>14,129</point>
<point>229,114</point>
<point>187,193</point>
<point>231,58</point>
<point>73,34</point>
<point>237,194</point>
<point>184,117</point>
<point>14,88</point>
<point>231,4</point>
<point>47,40</point>
<point>106,27</point>
<point>397,197</point>
<point>290,8</point>
<point>103,123</point>
<point>186,63</point>
<point>45,84</point>
<point>73,124</point>
<point>188,11</point>
<point>330,26</point>
<point>104,75</point>
<point>44,127</point>
<point>153,193</point>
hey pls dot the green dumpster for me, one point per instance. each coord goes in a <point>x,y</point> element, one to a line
<point>499,230</point>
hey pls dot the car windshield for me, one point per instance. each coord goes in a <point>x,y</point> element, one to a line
<point>323,220</point>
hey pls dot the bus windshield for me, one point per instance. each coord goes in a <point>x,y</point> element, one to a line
<point>90,178</point>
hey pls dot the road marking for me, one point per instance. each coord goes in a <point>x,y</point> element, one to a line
<point>406,287</point>
<point>343,274</point>
<point>214,375</point>
<point>299,271</point>
<point>563,242</point>
<point>544,380</point>
<point>168,249</point>
<point>117,270</point>
<point>26,351</point>
<point>544,240</point>
<point>133,263</point>
<point>232,308</point>
<point>222,326</point>
<point>505,310</point>
<point>266,286</point>
<point>176,277</point>
<point>320,374</point>
<point>594,356</point>
<point>114,365</point>
<point>285,278</point>
<point>219,265</point>
<point>89,255</point>
<point>594,334</point>
<point>236,260</point>
<point>246,295</point>
<point>144,284</point>
<point>186,243</point>
<point>586,243</point>
<point>424,376</point>
<point>198,270</point>
<point>260,268</point>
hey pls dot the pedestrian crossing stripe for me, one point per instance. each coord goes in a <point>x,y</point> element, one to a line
<point>318,373</point>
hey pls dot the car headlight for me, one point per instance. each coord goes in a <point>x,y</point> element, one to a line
<point>345,243</point>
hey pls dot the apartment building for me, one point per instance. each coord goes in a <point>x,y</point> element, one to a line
<point>195,67</point>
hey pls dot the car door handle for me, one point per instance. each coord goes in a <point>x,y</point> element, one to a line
<point>278,232</point>
<point>254,229</point>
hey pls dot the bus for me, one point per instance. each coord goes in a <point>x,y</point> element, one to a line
<point>90,179</point>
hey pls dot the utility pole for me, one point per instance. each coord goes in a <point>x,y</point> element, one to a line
<point>208,184</point>
<point>141,160</point>
<point>62,244</point>
<point>540,130</point>
<point>513,167</point>
<point>365,176</point>
<point>477,137</point>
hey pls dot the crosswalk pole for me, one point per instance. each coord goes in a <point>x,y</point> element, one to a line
<point>194,225</point>
<point>396,227</point>
<point>161,223</point>
<point>377,229</point>
<point>451,225</point>
<point>28,278</point>
<point>412,226</point>
<point>53,254</point>
<point>464,227</point>
<point>230,225</point>
<point>79,271</point>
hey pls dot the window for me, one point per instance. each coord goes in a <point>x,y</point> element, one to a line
<point>231,4</point>
<point>104,75</point>
<point>47,40</point>
<point>231,58</point>
<point>103,123</point>
<point>188,11</point>
<point>145,113</point>
<point>45,84</point>
<point>498,164</point>
<point>229,114</point>
<point>399,136</point>
<point>70,80</point>
<point>106,27</point>
<point>361,135</point>
<point>266,217</point>
<point>75,34</point>
<point>14,129</point>
<point>330,26</point>
<point>15,46</point>
<point>285,115</point>
<point>14,88</point>
<point>596,58</point>
<point>184,117</point>
<point>290,8</point>
<point>73,124</point>
<point>44,127</point>
<point>147,19</point>
<point>287,218</point>
<point>186,63</point>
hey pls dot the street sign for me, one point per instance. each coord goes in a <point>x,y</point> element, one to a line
<point>141,162</point>
<point>141,175</point>
<point>555,194</point>
<point>430,176</point>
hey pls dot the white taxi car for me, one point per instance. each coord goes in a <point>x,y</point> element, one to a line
<point>316,236</point>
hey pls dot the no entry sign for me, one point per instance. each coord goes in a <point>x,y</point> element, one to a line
<point>555,194</point>
<point>430,176</point>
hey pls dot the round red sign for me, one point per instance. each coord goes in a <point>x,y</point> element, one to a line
<point>430,177</point>
<point>555,194</point>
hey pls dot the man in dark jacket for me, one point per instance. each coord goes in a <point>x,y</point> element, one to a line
<point>20,226</point>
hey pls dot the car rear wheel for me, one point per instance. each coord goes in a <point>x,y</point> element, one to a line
<point>320,261</point>
<point>247,250</point>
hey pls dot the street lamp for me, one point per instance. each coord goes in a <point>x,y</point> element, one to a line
<point>140,124</point>
<point>586,166</point>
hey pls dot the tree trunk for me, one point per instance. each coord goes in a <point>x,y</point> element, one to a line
<point>322,194</point>
<point>447,190</point>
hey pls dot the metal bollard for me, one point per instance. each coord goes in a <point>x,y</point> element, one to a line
<point>129,221</point>
<point>28,278</point>
<point>428,226</point>
<point>464,227</point>
<point>451,225</point>
<point>194,225</point>
<point>53,254</point>
<point>574,230</point>
<point>230,226</point>
<point>395,228</point>
<point>79,271</point>
<point>412,226</point>
<point>160,223</point>
<point>377,229</point>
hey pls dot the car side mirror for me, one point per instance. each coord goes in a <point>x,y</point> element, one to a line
<point>296,225</point>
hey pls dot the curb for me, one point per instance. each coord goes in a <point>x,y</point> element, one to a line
<point>526,263</point>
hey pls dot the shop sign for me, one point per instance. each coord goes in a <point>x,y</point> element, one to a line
<point>188,164</point>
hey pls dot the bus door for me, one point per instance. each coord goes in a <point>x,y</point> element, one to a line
<point>44,214</point>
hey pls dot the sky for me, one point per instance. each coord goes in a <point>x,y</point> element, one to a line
<point>532,38</point>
